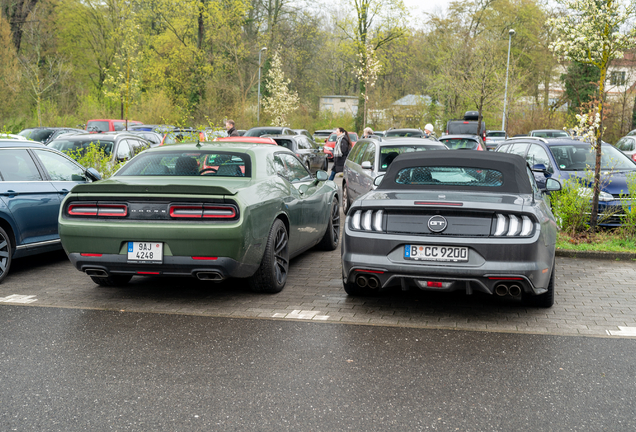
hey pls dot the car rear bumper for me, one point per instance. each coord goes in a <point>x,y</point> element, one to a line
<point>217,269</point>
<point>526,264</point>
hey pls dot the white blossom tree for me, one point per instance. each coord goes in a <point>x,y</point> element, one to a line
<point>368,69</point>
<point>594,32</point>
<point>281,101</point>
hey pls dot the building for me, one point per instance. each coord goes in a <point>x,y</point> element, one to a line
<point>339,104</point>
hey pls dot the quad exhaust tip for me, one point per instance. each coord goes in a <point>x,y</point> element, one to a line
<point>368,281</point>
<point>512,290</point>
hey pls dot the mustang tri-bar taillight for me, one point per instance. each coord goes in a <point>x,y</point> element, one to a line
<point>513,226</point>
<point>367,220</point>
<point>98,209</point>
<point>199,211</point>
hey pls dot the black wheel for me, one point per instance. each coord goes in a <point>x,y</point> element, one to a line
<point>346,203</point>
<point>326,165</point>
<point>545,300</point>
<point>271,276</point>
<point>308,167</point>
<point>5,254</point>
<point>112,280</point>
<point>331,238</point>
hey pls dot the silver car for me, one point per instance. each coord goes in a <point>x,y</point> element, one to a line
<point>627,145</point>
<point>371,157</point>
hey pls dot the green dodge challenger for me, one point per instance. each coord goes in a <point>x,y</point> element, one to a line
<point>211,211</point>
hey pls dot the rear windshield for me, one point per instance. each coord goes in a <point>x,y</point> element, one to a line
<point>551,134</point>
<point>415,134</point>
<point>190,163</point>
<point>179,137</point>
<point>285,143</point>
<point>449,176</point>
<point>388,153</point>
<point>496,134</point>
<point>98,126</point>
<point>40,135</point>
<point>263,131</point>
<point>459,143</point>
<point>81,146</point>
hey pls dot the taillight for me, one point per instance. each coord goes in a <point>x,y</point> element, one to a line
<point>367,220</point>
<point>634,157</point>
<point>513,226</point>
<point>97,209</point>
<point>202,211</point>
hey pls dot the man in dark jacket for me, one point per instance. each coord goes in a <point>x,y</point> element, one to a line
<point>231,131</point>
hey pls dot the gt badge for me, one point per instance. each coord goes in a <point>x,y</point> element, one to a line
<point>437,223</point>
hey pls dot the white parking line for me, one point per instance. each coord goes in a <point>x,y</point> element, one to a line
<point>624,331</point>
<point>16,298</point>
<point>300,314</point>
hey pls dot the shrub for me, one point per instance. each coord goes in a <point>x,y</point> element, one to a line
<point>94,157</point>
<point>629,209</point>
<point>571,207</point>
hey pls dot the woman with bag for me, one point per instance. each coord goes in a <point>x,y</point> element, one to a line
<point>340,151</point>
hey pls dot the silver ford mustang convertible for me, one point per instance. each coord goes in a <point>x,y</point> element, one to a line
<point>453,220</point>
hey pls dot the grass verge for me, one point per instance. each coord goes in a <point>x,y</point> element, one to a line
<point>603,241</point>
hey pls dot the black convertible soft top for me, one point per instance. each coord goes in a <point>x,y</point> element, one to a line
<point>512,167</point>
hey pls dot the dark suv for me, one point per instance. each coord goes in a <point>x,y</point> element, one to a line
<point>47,134</point>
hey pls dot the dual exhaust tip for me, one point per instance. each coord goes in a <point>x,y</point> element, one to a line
<point>364,281</point>
<point>208,276</point>
<point>504,289</point>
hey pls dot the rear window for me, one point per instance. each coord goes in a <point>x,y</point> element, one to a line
<point>449,176</point>
<point>262,131</point>
<point>460,143</point>
<point>414,134</point>
<point>285,143</point>
<point>496,134</point>
<point>40,135</point>
<point>98,126</point>
<point>551,134</point>
<point>387,154</point>
<point>195,163</point>
<point>80,146</point>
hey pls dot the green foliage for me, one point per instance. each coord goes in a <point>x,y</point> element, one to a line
<point>571,207</point>
<point>581,84</point>
<point>629,209</point>
<point>94,157</point>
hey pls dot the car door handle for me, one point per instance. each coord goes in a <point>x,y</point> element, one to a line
<point>10,193</point>
<point>63,191</point>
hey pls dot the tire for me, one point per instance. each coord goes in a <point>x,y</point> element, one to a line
<point>112,280</point>
<point>331,238</point>
<point>325,167</point>
<point>271,276</point>
<point>5,254</point>
<point>346,203</point>
<point>545,300</point>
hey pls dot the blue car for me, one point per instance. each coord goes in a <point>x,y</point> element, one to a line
<point>33,181</point>
<point>562,159</point>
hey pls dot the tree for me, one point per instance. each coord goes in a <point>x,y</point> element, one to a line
<point>367,73</point>
<point>17,13</point>
<point>281,101</point>
<point>581,84</point>
<point>594,33</point>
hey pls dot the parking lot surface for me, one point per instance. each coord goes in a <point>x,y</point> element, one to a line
<point>595,298</point>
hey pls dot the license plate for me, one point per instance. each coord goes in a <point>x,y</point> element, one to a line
<point>436,253</point>
<point>145,252</point>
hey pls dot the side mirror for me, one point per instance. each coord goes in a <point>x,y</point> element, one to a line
<point>366,165</point>
<point>539,168</point>
<point>93,174</point>
<point>378,180</point>
<point>322,176</point>
<point>552,185</point>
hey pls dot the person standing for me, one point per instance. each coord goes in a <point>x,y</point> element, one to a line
<point>367,132</point>
<point>428,131</point>
<point>340,151</point>
<point>231,130</point>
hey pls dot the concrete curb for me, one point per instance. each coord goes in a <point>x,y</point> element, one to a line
<point>613,256</point>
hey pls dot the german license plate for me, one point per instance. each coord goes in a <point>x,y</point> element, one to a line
<point>145,252</point>
<point>436,253</point>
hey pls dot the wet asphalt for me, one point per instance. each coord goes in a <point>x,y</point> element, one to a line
<point>93,370</point>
